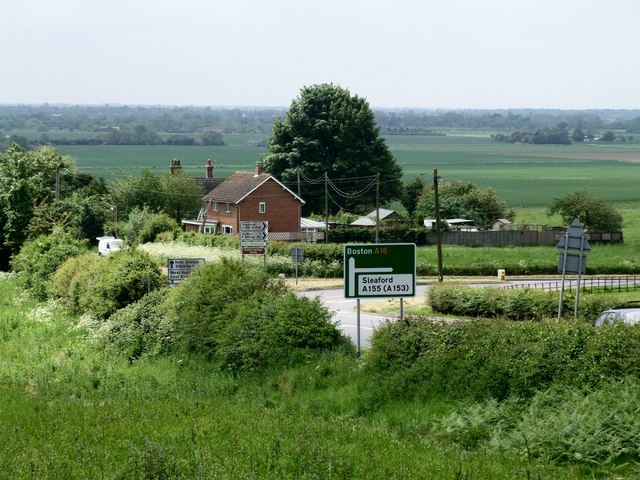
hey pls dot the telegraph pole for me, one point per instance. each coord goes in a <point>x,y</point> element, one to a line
<point>438,234</point>
<point>377,207</point>
<point>326,208</point>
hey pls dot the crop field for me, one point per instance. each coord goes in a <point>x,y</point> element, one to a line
<point>522,175</point>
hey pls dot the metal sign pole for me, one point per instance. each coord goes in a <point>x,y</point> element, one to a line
<point>564,269</point>
<point>575,309</point>
<point>358,327</point>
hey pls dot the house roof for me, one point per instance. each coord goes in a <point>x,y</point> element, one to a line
<point>208,183</point>
<point>307,223</point>
<point>241,184</point>
<point>383,212</point>
<point>364,222</point>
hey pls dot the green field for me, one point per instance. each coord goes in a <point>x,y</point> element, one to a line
<point>522,175</point>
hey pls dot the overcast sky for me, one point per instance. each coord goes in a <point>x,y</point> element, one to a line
<point>571,54</point>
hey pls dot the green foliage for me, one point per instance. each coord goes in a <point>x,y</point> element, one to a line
<point>598,214</point>
<point>269,329</point>
<point>155,225</point>
<point>102,287</point>
<point>202,299</point>
<point>39,258</point>
<point>513,304</point>
<point>143,328</point>
<point>462,199</point>
<point>598,426</point>
<point>328,131</point>
<point>418,357</point>
<point>182,195</point>
<point>137,192</point>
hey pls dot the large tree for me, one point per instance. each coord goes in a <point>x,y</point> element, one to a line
<point>329,131</point>
<point>27,179</point>
<point>594,213</point>
<point>464,200</point>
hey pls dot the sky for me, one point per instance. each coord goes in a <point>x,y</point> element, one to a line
<point>434,54</point>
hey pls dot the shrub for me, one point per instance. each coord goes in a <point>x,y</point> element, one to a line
<point>203,297</point>
<point>100,287</point>
<point>156,224</point>
<point>67,283</point>
<point>145,327</point>
<point>39,258</point>
<point>268,329</point>
<point>496,359</point>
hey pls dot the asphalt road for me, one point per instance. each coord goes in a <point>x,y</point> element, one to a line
<point>345,313</point>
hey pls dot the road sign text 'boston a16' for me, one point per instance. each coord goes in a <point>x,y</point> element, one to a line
<point>380,270</point>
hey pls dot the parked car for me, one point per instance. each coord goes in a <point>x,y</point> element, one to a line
<point>628,314</point>
<point>107,245</point>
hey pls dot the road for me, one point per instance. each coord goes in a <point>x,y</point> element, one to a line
<point>345,312</point>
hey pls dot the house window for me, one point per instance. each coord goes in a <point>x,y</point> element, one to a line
<point>214,206</point>
<point>262,207</point>
<point>227,229</point>
<point>227,207</point>
<point>209,229</point>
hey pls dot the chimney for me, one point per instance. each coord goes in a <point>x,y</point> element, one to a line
<point>174,166</point>
<point>209,169</point>
<point>258,168</point>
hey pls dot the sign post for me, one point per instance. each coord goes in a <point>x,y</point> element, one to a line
<point>253,238</point>
<point>379,271</point>
<point>179,269</point>
<point>573,240</point>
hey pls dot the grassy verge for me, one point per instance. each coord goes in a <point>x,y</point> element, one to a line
<point>69,411</point>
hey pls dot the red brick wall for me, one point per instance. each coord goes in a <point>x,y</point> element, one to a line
<point>282,208</point>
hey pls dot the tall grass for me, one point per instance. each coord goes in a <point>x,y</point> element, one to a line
<point>68,410</point>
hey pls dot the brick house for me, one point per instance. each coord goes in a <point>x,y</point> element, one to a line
<point>247,196</point>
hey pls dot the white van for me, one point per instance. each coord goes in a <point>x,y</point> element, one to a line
<point>106,245</point>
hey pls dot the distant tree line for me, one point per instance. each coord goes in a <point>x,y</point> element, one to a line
<point>108,120</point>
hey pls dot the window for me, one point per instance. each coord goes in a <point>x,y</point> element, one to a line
<point>227,207</point>
<point>214,206</point>
<point>227,229</point>
<point>262,207</point>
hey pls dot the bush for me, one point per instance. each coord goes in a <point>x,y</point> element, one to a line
<point>100,287</point>
<point>156,224</point>
<point>144,328</point>
<point>202,299</point>
<point>496,359</point>
<point>514,304</point>
<point>67,283</point>
<point>38,259</point>
<point>268,329</point>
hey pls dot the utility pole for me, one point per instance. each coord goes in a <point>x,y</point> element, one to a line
<point>377,207</point>
<point>438,234</point>
<point>326,208</point>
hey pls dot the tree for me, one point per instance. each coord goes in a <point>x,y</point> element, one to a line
<point>595,213</point>
<point>182,195</point>
<point>27,178</point>
<point>328,131</point>
<point>411,194</point>
<point>464,200</point>
<point>577,135</point>
<point>138,191</point>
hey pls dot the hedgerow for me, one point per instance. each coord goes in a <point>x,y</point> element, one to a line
<point>513,304</point>
<point>483,359</point>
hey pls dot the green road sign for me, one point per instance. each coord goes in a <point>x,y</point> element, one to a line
<point>380,270</point>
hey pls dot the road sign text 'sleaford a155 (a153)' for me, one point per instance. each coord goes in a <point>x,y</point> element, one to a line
<point>380,270</point>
